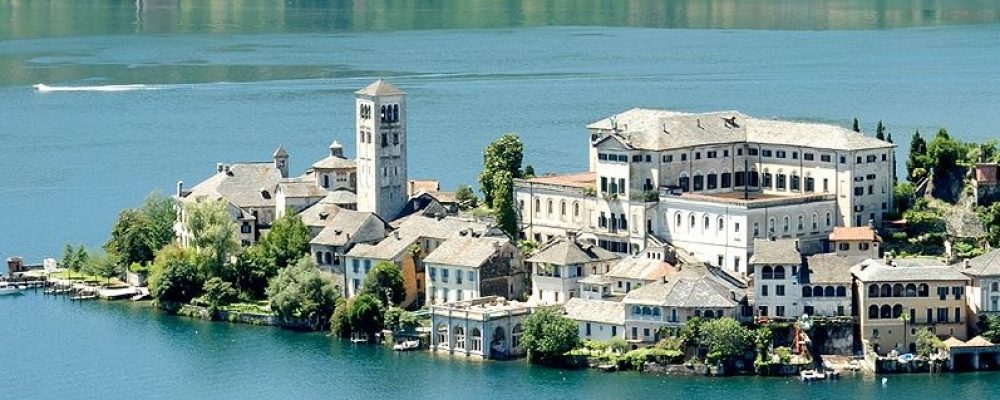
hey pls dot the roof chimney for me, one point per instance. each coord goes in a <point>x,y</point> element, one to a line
<point>395,234</point>
<point>180,188</point>
<point>967,263</point>
<point>218,167</point>
<point>226,169</point>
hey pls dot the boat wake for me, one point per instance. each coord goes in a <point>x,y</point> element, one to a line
<point>43,88</point>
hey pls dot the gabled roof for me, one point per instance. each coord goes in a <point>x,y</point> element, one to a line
<point>600,311</point>
<point>828,268</point>
<point>346,226</point>
<point>641,268</point>
<point>664,130</point>
<point>246,185</point>
<point>685,290</point>
<point>334,162</point>
<point>563,251</point>
<point>411,228</point>
<point>872,270</point>
<point>854,233</point>
<point>776,251</point>
<point>470,252</point>
<point>380,88</point>
<point>987,264</point>
<point>321,213</point>
<point>299,188</point>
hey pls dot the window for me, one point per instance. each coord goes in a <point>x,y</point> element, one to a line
<point>779,273</point>
<point>763,291</point>
<point>752,151</point>
<point>957,291</point>
<point>444,275</point>
<point>767,180</point>
<point>807,291</point>
<point>843,159</point>
<point>684,156</point>
<point>779,290</point>
<point>942,293</point>
<point>779,311</point>
<point>472,276</point>
<point>697,155</point>
<point>810,184</point>
<point>699,182</point>
<point>727,180</point>
<point>781,184</point>
<point>712,181</point>
<point>796,183</point>
<point>637,158</point>
<point>458,277</point>
<point>649,158</point>
<point>711,154</point>
<point>843,246</point>
<point>958,315</point>
<point>942,314</point>
<point>725,153</point>
<point>780,154</point>
<point>808,156</point>
<point>762,311</point>
<point>766,153</point>
<point>668,158</point>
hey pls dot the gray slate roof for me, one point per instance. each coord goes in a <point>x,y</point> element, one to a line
<point>600,311</point>
<point>242,186</point>
<point>416,226</point>
<point>664,130</point>
<point>334,162</point>
<point>563,251</point>
<point>321,213</point>
<point>344,227</point>
<point>380,88</point>
<point>470,252</point>
<point>987,264</point>
<point>777,251</point>
<point>301,188</point>
<point>828,268</point>
<point>872,270</point>
<point>686,290</point>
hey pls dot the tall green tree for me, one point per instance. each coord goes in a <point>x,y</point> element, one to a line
<point>131,238</point>
<point>303,294</point>
<point>213,235</point>
<point>102,265</point>
<point>365,315</point>
<point>162,216</point>
<point>73,258</point>
<point>880,131</point>
<point>504,154</point>
<point>340,321</point>
<point>174,276</point>
<point>548,335</point>
<point>251,273</point>
<point>217,293</point>
<point>916,165</point>
<point>385,283</point>
<point>503,203</point>
<point>855,127</point>
<point>287,241</point>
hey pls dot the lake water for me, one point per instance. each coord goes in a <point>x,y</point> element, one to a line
<point>230,80</point>
<point>57,349</point>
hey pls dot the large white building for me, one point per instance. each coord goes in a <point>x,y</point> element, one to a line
<point>710,183</point>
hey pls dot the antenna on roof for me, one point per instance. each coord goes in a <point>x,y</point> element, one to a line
<point>731,122</point>
<point>697,121</point>
<point>614,123</point>
<point>665,129</point>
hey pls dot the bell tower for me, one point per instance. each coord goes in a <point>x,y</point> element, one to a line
<point>381,149</point>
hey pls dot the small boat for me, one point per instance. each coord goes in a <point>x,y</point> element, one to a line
<point>7,289</point>
<point>905,358</point>
<point>608,367</point>
<point>406,345</point>
<point>811,375</point>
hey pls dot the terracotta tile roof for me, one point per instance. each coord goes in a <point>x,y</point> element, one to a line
<point>842,233</point>
<point>582,179</point>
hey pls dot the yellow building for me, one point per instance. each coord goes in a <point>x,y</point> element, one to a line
<point>897,298</point>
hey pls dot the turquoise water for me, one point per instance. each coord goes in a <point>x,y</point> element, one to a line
<point>229,80</point>
<point>55,348</point>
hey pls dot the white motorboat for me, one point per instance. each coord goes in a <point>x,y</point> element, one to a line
<point>811,375</point>
<point>8,289</point>
<point>406,345</point>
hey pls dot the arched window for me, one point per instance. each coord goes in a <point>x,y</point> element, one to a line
<point>721,224</point>
<point>897,310</point>
<point>873,290</point>
<point>802,222</point>
<point>911,290</point>
<point>699,182</point>
<point>815,221</point>
<point>829,220</point>
<point>548,206</point>
<point>994,287</point>
<point>872,312</point>
<point>829,291</point>
<point>328,257</point>
<point>395,138</point>
<point>807,291</point>
<point>886,290</point>
<point>326,181</point>
<point>656,311</point>
<point>709,314</point>
<point>897,290</point>
<point>647,311</point>
<point>691,219</point>
<point>922,290</point>
<point>677,219</point>
<point>817,291</point>
<point>576,210</point>
<point>779,272</point>
<point>442,335</point>
<point>766,272</point>
<point>562,208</point>
<point>770,226</point>
<point>636,310</point>
<point>786,225</point>
<point>841,291</point>
<point>707,222</point>
<point>477,340</point>
<point>319,257</point>
<point>385,139</point>
<point>885,311</point>
<point>538,206</point>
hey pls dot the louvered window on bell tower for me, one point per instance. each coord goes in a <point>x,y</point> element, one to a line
<point>385,140</point>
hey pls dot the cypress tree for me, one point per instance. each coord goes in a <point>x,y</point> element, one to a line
<point>854,126</point>
<point>880,131</point>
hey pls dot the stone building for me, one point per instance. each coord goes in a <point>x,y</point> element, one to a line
<point>485,327</point>
<point>712,182</point>
<point>558,266</point>
<point>984,285</point>
<point>597,319</point>
<point>895,298</point>
<point>775,271</point>
<point>470,267</point>
<point>381,149</point>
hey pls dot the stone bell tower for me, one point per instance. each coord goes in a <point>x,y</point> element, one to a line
<point>381,149</point>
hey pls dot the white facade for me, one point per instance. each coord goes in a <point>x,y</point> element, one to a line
<point>776,291</point>
<point>381,149</point>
